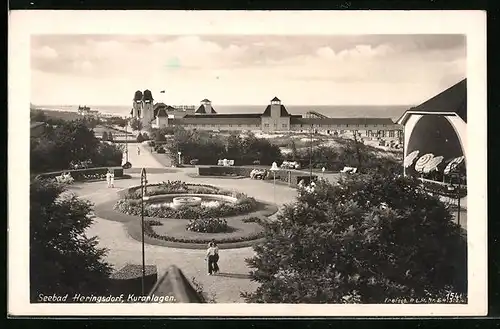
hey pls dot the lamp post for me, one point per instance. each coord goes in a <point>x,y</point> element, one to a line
<point>143,198</point>
<point>310,154</point>
<point>126,142</point>
<point>179,160</point>
<point>274,169</point>
<point>323,172</point>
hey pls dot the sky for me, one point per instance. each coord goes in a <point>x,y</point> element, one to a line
<point>245,69</point>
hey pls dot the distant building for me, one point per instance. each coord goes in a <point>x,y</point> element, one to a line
<point>86,111</point>
<point>274,118</point>
<point>438,126</point>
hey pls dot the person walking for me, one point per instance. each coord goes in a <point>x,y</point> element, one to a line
<point>112,179</point>
<point>138,151</point>
<point>108,178</point>
<point>216,257</point>
<point>211,251</point>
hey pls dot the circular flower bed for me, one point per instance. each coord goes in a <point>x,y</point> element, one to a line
<point>216,202</point>
<point>207,225</point>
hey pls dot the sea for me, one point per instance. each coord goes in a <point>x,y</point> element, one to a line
<point>333,111</point>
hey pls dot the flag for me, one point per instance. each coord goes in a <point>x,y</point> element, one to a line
<point>162,92</point>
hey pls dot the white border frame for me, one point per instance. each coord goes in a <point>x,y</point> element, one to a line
<point>22,24</point>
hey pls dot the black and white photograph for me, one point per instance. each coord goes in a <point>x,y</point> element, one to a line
<point>322,171</point>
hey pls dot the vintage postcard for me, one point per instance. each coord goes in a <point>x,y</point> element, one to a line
<point>247,163</point>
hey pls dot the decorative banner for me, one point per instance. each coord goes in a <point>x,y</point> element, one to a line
<point>453,164</point>
<point>432,164</point>
<point>422,162</point>
<point>410,158</point>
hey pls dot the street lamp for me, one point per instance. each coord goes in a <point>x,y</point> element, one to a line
<point>179,154</point>
<point>323,172</point>
<point>310,154</point>
<point>274,169</point>
<point>144,183</point>
<point>126,142</point>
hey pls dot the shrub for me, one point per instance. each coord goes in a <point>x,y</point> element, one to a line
<point>148,230</point>
<point>194,162</point>
<point>256,162</point>
<point>140,138</point>
<point>127,165</point>
<point>145,136</point>
<point>128,280</point>
<point>133,207</point>
<point>160,150</point>
<point>207,225</point>
<point>366,239</point>
<point>251,220</point>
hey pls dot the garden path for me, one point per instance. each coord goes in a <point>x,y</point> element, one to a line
<point>143,160</point>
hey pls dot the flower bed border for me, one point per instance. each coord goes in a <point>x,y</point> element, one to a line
<point>132,225</point>
<point>217,177</point>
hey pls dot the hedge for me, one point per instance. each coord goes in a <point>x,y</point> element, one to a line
<point>281,175</point>
<point>79,174</point>
<point>128,280</point>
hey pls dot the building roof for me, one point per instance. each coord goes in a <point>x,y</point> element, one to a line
<point>161,112</point>
<point>275,99</point>
<point>451,100</point>
<point>202,110</point>
<point>138,95</point>
<point>205,100</point>
<point>216,120</point>
<point>147,95</point>
<point>341,121</point>
<point>226,115</point>
<point>283,111</point>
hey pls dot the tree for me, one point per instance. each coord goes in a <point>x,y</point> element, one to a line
<point>63,260</point>
<point>37,116</point>
<point>136,124</point>
<point>140,139</point>
<point>76,142</point>
<point>105,136</point>
<point>110,136</point>
<point>368,238</point>
<point>159,136</point>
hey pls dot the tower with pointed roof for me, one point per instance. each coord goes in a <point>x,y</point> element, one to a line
<point>205,108</point>
<point>143,107</point>
<point>275,117</point>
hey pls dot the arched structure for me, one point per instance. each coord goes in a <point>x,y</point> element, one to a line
<point>438,126</point>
